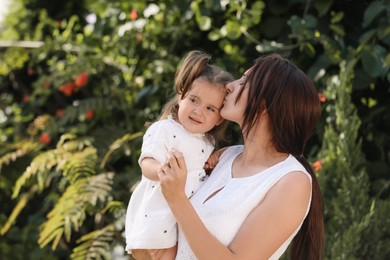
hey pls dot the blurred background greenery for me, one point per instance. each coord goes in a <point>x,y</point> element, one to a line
<point>79,80</point>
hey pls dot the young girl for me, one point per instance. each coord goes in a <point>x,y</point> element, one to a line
<point>190,123</point>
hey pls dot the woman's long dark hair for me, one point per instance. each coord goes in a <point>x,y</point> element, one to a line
<point>293,107</point>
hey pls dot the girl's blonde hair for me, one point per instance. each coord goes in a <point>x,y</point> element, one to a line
<point>197,64</point>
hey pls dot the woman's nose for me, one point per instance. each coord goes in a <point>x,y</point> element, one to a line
<point>229,87</point>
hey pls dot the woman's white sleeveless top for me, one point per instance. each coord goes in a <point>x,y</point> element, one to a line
<point>225,212</point>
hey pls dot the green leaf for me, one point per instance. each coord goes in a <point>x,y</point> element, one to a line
<point>309,49</point>
<point>338,29</point>
<point>268,46</point>
<point>367,37</point>
<point>372,11</point>
<point>204,23</point>
<point>252,16</point>
<point>13,58</point>
<point>214,35</point>
<point>322,6</point>
<point>337,17</point>
<point>387,60</point>
<point>373,60</point>
<point>231,30</point>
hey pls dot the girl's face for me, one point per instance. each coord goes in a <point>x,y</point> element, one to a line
<point>231,110</point>
<point>199,109</point>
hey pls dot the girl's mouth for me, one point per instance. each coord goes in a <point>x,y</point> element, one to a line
<point>195,121</point>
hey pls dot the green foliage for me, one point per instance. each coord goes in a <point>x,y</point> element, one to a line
<point>74,104</point>
<point>13,58</point>
<point>71,210</point>
<point>96,244</point>
<point>348,210</point>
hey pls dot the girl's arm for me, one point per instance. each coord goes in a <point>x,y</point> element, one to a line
<point>149,168</point>
<point>261,234</point>
<point>213,159</point>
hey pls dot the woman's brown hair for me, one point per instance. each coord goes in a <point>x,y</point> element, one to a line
<point>293,107</point>
<point>197,64</point>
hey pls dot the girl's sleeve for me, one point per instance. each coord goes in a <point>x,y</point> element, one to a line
<point>155,143</point>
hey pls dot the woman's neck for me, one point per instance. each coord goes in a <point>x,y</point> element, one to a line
<point>258,149</point>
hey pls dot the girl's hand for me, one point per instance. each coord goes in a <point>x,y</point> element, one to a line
<point>212,161</point>
<point>173,177</point>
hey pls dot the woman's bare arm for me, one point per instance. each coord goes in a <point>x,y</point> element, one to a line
<point>264,230</point>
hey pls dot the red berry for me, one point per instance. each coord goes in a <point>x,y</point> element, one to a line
<point>133,14</point>
<point>89,114</point>
<point>59,112</point>
<point>26,98</point>
<point>67,88</point>
<point>317,165</point>
<point>46,84</point>
<point>30,71</point>
<point>81,79</point>
<point>44,138</point>
<point>322,97</point>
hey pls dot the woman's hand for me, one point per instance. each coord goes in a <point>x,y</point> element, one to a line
<point>173,177</point>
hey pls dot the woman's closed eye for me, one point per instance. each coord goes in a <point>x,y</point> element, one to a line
<point>241,81</point>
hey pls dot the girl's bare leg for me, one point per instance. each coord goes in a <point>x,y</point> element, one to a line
<point>169,253</point>
<point>141,254</point>
<point>155,254</point>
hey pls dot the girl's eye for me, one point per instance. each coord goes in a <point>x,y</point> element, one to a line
<point>211,109</point>
<point>193,100</point>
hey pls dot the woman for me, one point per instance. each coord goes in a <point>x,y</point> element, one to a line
<point>262,195</point>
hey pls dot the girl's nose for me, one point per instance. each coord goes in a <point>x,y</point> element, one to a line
<point>197,110</point>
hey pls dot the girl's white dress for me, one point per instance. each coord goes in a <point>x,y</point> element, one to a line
<point>224,213</point>
<point>149,221</point>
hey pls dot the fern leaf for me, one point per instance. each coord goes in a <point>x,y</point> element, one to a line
<point>70,143</point>
<point>18,208</point>
<point>20,149</point>
<point>79,164</point>
<point>69,152</point>
<point>40,167</point>
<point>79,108</point>
<point>70,211</point>
<point>113,207</point>
<point>117,144</point>
<point>95,245</point>
<point>55,236</point>
<point>43,122</point>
